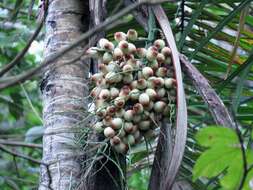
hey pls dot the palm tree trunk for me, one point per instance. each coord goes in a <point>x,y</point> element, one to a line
<point>63,88</point>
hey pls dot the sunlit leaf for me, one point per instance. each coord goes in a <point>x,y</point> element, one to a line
<point>211,136</point>
<point>224,157</point>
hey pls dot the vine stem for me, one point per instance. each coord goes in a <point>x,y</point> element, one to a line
<point>244,157</point>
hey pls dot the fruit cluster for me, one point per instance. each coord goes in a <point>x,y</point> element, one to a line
<point>133,89</point>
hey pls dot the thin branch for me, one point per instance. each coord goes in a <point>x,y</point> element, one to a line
<point>16,166</point>
<point>17,154</point>
<point>140,15</point>
<point>20,180</point>
<point>22,144</point>
<point>11,10</point>
<point>106,25</point>
<point>244,158</point>
<point>30,103</point>
<point>21,54</point>
<point>18,79</point>
<point>117,7</point>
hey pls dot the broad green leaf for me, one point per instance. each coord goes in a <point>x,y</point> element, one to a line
<point>234,172</point>
<point>211,136</point>
<point>214,161</point>
<point>248,184</point>
<point>224,156</point>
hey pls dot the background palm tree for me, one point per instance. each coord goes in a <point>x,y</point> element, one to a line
<point>63,90</point>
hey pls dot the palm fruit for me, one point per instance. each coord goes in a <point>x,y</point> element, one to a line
<point>144,99</point>
<point>147,72</point>
<point>117,54</point>
<point>123,45</point>
<point>132,35</point>
<point>115,140</point>
<point>159,44</point>
<point>109,132</point>
<point>117,123</point>
<point>120,36</point>
<point>133,90</point>
<point>166,51</point>
<point>159,106</point>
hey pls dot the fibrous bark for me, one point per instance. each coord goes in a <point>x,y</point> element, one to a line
<point>163,154</point>
<point>217,108</point>
<point>63,87</point>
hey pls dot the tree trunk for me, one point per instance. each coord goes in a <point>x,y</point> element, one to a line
<point>64,87</point>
